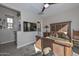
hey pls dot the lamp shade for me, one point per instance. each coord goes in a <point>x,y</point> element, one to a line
<point>46,26</point>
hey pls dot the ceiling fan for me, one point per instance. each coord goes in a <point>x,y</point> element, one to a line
<point>46,5</point>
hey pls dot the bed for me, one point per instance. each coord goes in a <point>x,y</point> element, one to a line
<point>58,46</point>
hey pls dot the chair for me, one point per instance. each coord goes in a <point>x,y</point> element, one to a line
<point>37,49</point>
<point>47,52</point>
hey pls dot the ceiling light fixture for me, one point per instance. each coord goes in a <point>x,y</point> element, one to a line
<point>46,5</point>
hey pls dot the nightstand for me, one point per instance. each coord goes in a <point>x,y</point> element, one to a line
<point>46,34</point>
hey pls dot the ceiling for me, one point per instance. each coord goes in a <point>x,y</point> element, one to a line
<point>37,7</point>
<point>32,7</point>
<point>59,8</point>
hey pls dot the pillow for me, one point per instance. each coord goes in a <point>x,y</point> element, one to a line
<point>59,34</point>
<point>62,35</point>
<point>54,34</point>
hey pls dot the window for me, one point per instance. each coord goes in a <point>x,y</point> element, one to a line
<point>9,23</point>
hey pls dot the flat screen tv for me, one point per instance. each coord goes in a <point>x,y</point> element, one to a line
<point>28,26</point>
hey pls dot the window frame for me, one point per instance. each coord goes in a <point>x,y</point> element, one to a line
<point>7,16</point>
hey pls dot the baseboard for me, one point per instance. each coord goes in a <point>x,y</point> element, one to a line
<point>7,42</point>
<point>25,44</point>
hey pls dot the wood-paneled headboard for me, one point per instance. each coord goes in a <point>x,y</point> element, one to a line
<point>61,27</point>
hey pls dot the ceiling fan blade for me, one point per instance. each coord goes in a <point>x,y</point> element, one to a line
<point>43,9</point>
<point>51,3</point>
<point>46,7</point>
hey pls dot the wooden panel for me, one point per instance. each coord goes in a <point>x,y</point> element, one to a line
<point>75,33</point>
<point>47,43</point>
<point>76,38</point>
<point>64,24</point>
<point>58,50</point>
<point>53,27</point>
<point>38,44</point>
<point>58,27</point>
<point>68,51</point>
<point>61,27</point>
<point>46,34</point>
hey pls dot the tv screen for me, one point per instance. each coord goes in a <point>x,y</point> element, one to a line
<point>28,26</point>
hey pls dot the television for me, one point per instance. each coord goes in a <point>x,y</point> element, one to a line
<point>29,26</point>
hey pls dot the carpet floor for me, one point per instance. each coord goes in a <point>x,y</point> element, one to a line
<point>10,49</point>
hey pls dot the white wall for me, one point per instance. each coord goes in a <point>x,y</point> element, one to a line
<point>25,38</point>
<point>7,35</point>
<point>68,15</point>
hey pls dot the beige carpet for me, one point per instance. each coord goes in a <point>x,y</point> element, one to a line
<point>10,49</point>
